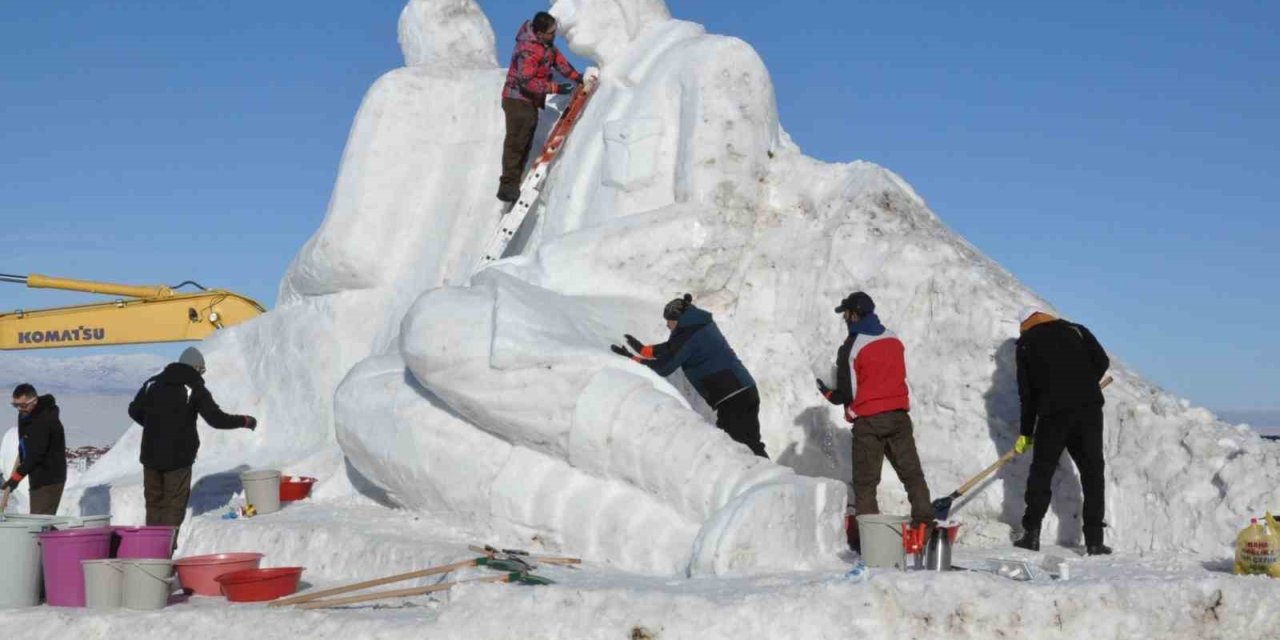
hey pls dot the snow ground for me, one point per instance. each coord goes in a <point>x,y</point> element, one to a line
<point>1125,596</point>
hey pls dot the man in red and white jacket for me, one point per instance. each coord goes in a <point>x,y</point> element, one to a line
<point>871,383</point>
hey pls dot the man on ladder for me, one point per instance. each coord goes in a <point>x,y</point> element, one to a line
<point>529,82</point>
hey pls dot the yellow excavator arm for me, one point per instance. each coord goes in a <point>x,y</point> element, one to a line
<point>143,314</point>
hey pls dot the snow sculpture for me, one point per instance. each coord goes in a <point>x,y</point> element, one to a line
<point>485,351</point>
<point>499,401</point>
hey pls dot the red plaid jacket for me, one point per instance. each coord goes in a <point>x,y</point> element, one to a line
<point>529,76</point>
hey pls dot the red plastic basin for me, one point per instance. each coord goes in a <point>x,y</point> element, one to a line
<point>199,573</point>
<point>295,488</point>
<point>260,585</point>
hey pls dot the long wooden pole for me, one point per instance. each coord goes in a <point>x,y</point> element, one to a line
<point>399,593</point>
<point>367,584</point>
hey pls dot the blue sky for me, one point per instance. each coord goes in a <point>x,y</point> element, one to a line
<point>1120,158</point>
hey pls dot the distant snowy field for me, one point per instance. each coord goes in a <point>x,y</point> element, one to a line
<point>93,392</point>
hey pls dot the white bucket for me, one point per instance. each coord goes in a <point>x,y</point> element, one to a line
<point>21,578</point>
<point>103,583</point>
<point>881,537</point>
<point>262,490</point>
<point>147,583</point>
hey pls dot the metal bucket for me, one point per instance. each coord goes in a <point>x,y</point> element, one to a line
<point>937,555</point>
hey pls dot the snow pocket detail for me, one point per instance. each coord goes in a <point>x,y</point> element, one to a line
<point>631,152</point>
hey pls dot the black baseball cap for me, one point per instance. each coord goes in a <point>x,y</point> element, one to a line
<point>857,302</point>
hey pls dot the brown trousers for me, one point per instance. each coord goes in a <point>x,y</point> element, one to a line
<point>522,122</point>
<point>45,500</point>
<point>167,493</point>
<point>888,435</point>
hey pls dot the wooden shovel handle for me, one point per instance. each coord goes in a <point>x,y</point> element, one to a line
<point>530,556</point>
<point>398,593</point>
<point>1006,457</point>
<point>4,500</point>
<point>400,577</point>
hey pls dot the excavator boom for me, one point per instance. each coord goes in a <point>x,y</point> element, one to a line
<point>152,314</point>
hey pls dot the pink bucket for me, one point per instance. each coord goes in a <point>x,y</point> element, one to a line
<point>61,553</point>
<point>145,542</point>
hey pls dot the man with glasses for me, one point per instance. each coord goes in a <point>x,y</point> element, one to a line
<point>166,406</point>
<point>529,82</point>
<point>42,450</point>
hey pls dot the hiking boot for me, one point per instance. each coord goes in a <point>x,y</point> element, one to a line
<point>1097,550</point>
<point>508,195</point>
<point>1030,540</point>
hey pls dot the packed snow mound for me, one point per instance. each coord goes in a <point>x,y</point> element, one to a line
<point>392,365</point>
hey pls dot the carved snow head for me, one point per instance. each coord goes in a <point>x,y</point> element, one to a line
<point>602,29</point>
<point>450,32</point>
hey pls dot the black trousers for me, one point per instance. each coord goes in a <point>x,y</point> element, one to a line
<point>1079,432</point>
<point>739,416</point>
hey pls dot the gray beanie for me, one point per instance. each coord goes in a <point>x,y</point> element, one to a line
<point>192,357</point>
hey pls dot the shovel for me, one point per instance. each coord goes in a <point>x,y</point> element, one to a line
<point>4,499</point>
<point>942,506</point>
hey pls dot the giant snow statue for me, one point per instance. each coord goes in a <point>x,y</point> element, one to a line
<point>583,449</point>
<point>493,396</point>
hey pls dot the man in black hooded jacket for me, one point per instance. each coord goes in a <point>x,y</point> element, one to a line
<point>166,406</point>
<point>42,450</point>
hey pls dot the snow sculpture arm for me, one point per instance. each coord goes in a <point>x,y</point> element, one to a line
<point>728,124</point>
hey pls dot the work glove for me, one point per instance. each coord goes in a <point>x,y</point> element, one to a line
<point>250,423</point>
<point>1022,444</point>
<point>823,388</point>
<point>618,349</point>
<point>565,88</point>
<point>592,75</point>
<point>12,483</point>
<point>635,345</point>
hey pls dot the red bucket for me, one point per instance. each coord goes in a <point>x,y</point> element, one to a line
<point>199,574</point>
<point>260,585</point>
<point>295,488</point>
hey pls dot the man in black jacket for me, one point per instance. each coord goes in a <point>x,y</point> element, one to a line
<point>1059,366</point>
<point>42,450</point>
<point>166,406</point>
